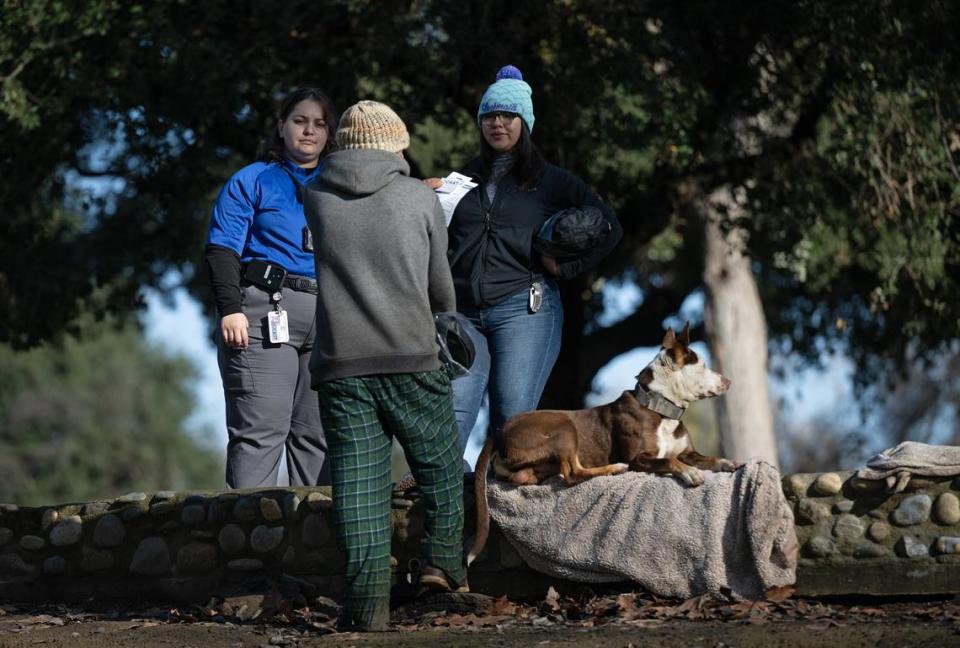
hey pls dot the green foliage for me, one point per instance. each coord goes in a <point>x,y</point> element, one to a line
<point>855,223</point>
<point>161,100</point>
<point>40,33</point>
<point>82,420</point>
<point>439,148</point>
<point>840,120</point>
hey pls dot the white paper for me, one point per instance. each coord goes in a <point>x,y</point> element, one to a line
<point>455,186</point>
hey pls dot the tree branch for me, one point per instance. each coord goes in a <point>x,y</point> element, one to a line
<point>643,328</point>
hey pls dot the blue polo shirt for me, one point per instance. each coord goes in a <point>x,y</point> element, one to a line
<point>259,216</point>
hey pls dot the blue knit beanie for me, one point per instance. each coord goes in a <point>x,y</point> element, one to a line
<point>509,93</point>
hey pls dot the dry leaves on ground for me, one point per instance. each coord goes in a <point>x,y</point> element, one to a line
<point>295,613</point>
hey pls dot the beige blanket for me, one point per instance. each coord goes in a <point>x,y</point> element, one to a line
<point>896,465</point>
<point>734,534</point>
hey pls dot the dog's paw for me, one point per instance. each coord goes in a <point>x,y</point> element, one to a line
<point>725,465</point>
<point>691,476</point>
<point>620,468</point>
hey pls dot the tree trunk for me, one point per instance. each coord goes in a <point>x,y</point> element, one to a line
<point>737,334</point>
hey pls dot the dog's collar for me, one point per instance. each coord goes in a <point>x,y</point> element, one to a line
<point>658,403</point>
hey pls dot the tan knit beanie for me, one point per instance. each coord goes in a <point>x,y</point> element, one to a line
<point>372,125</point>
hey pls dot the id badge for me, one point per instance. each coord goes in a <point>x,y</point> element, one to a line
<point>277,326</point>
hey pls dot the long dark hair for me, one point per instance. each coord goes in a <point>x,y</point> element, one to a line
<point>529,166</point>
<point>272,148</point>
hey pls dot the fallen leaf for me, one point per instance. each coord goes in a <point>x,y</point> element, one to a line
<point>502,605</point>
<point>457,620</point>
<point>44,619</point>
<point>779,594</point>
<point>824,624</point>
<point>601,607</point>
<point>741,609</point>
<point>552,595</point>
<point>694,607</point>
<point>626,603</point>
<point>761,607</point>
<point>487,621</point>
<point>275,604</point>
<point>524,612</point>
<point>572,610</point>
<point>661,611</point>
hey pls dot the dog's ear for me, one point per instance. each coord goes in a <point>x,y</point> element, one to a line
<point>669,340</point>
<point>685,335</point>
<point>645,377</point>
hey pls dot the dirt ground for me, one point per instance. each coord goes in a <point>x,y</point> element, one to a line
<point>622,634</point>
<point>617,619</point>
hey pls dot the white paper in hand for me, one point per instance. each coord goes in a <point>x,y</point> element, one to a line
<point>455,186</point>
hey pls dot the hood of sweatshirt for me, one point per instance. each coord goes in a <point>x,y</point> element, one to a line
<point>361,172</point>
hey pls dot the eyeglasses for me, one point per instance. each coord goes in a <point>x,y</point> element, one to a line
<point>504,117</point>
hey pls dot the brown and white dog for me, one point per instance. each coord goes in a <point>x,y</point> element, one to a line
<point>639,431</point>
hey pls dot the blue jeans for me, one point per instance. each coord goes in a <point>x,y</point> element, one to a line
<point>515,352</point>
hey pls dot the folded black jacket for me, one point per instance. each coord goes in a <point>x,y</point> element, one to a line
<point>572,232</point>
<point>491,246</point>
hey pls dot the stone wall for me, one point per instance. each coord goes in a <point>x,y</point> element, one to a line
<point>167,545</point>
<point>187,547</point>
<point>856,538</point>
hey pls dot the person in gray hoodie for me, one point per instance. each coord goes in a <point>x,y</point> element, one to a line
<point>380,245</point>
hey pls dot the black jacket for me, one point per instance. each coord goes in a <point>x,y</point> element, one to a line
<point>491,246</point>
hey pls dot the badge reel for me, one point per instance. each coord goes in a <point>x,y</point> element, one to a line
<point>277,325</point>
<point>536,297</point>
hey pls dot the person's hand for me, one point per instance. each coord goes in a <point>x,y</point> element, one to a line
<point>233,327</point>
<point>550,265</point>
<point>433,183</point>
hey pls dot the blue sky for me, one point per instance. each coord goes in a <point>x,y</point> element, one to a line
<point>178,326</point>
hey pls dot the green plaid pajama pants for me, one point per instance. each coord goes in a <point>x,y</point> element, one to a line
<point>361,416</point>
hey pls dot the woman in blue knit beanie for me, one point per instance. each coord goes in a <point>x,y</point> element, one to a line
<point>505,289</point>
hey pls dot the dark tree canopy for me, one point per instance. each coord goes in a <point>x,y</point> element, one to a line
<point>836,122</point>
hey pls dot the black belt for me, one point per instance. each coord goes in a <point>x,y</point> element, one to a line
<point>300,284</point>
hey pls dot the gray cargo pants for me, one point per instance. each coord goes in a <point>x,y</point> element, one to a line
<point>270,405</point>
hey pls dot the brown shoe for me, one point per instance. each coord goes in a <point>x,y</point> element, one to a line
<point>435,580</point>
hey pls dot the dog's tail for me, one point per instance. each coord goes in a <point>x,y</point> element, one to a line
<point>480,500</point>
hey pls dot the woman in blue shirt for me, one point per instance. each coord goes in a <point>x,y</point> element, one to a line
<point>266,334</point>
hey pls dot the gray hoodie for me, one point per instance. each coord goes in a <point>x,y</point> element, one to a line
<point>380,247</point>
